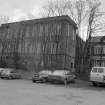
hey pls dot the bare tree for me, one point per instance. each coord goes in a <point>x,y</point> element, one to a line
<point>83,12</point>
<point>93,24</point>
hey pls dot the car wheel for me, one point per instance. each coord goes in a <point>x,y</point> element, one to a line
<point>44,80</point>
<point>52,82</point>
<point>2,77</point>
<point>73,81</point>
<point>94,84</point>
<point>33,81</point>
<point>10,77</point>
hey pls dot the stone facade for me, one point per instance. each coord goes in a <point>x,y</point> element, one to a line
<point>47,43</point>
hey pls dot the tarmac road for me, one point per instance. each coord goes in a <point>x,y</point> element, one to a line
<point>24,92</point>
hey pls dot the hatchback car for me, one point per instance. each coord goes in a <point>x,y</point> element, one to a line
<point>63,76</point>
<point>41,76</point>
<point>10,74</point>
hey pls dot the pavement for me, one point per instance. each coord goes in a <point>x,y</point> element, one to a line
<point>24,92</point>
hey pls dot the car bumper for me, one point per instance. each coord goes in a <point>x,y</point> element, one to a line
<point>57,79</point>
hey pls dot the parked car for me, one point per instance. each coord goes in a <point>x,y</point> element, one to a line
<point>61,76</point>
<point>97,75</point>
<point>1,70</point>
<point>10,74</point>
<point>41,76</point>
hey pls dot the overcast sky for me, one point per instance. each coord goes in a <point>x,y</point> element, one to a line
<point>21,9</point>
<point>16,9</point>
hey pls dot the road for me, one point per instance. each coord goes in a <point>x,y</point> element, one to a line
<point>24,92</point>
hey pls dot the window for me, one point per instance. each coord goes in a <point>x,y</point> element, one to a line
<point>30,48</point>
<point>46,29</point>
<point>27,31</point>
<point>59,29</point>
<point>71,65</point>
<point>103,49</point>
<point>40,30</point>
<point>100,70</point>
<point>19,48</point>
<point>26,47</point>
<point>8,33</point>
<point>38,48</point>
<point>96,63</point>
<point>33,31</point>
<point>1,47</point>
<point>68,29</point>
<point>94,70</point>
<point>97,50</point>
<point>51,48</point>
<point>73,34</point>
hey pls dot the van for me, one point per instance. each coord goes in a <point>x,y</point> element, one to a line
<point>97,75</point>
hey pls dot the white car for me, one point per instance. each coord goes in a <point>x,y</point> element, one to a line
<point>97,75</point>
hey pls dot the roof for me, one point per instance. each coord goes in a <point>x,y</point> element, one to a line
<point>42,20</point>
<point>96,38</point>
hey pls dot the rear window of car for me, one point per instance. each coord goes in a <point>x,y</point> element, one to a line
<point>94,70</point>
<point>98,70</point>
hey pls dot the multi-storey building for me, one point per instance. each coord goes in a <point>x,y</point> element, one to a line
<point>97,52</point>
<point>47,43</point>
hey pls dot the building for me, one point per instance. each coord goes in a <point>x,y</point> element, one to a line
<point>97,52</point>
<point>47,43</point>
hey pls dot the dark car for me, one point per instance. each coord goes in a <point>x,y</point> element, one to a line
<point>10,74</point>
<point>41,76</point>
<point>61,76</point>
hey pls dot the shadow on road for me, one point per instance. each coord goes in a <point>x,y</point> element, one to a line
<point>86,85</point>
<point>80,84</point>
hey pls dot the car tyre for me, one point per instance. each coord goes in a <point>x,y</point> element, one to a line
<point>73,81</point>
<point>9,77</point>
<point>33,81</point>
<point>94,84</point>
<point>44,80</point>
<point>2,77</point>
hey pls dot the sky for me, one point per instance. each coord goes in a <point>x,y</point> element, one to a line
<point>24,9</point>
<point>21,9</point>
